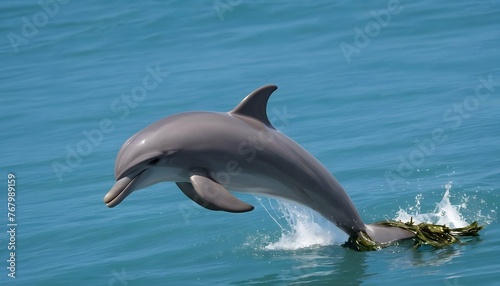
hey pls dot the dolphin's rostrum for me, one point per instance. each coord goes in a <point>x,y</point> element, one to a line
<point>208,153</point>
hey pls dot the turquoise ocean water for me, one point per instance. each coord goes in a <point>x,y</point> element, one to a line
<point>399,100</point>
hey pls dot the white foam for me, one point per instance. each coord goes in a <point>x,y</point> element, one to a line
<point>304,227</point>
<point>444,214</point>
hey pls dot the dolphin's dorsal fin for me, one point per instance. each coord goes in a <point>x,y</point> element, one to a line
<point>212,195</point>
<point>255,104</point>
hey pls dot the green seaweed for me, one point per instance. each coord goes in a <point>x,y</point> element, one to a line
<point>425,234</point>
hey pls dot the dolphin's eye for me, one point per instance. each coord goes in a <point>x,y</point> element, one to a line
<point>154,161</point>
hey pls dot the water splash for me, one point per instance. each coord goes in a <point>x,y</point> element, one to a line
<point>304,228</point>
<point>444,214</point>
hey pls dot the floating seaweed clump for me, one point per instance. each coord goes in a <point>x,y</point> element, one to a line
<point>425,233</point>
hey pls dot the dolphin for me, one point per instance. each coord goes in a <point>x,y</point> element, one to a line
<point>208,153</point>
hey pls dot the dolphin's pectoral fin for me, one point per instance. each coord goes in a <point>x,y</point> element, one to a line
<point>190,192</point>
<point>211,195</point>
<point>255,104</point>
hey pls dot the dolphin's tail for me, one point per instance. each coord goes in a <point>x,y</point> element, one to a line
<point>382,234</point>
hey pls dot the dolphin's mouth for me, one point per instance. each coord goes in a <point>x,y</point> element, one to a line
<point>120,190</point>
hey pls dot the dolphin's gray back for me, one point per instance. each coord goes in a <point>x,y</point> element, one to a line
<point>314,185</point>
<point>255,149</point>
